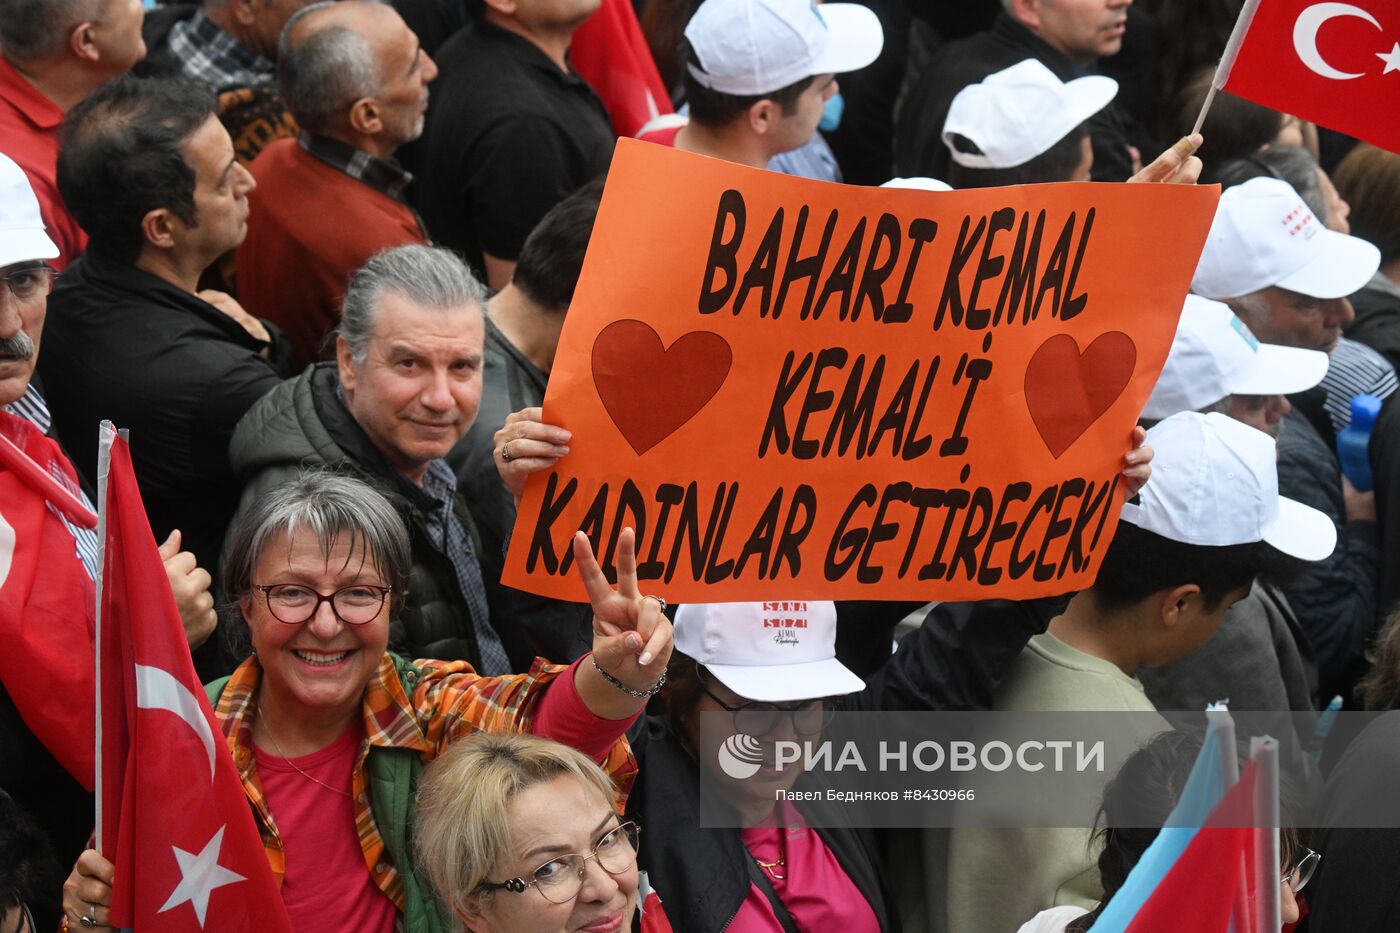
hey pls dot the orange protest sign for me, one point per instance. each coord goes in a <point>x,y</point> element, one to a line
<point>794,389</point>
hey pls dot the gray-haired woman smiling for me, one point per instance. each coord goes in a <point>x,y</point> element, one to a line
<point>330,731</point>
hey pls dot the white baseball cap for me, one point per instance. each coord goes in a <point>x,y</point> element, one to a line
<point>1265,235</point>
<point>919,183</point>
<point>22,235</point>
<point>1020,112</point>
<point>772,652</point>
<point>1214,355</point>
<point>749,47</point>
<point>1215,482</point>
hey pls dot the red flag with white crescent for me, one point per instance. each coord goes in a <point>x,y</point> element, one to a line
<point>172,815</point>
<point>1336,64</point>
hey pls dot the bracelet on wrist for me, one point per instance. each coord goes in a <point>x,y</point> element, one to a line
<point>639,694</point>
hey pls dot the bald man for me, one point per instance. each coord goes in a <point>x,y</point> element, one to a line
<point>356,79</point>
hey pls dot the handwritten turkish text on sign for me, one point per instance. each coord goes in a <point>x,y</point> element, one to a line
<point>794,389</point>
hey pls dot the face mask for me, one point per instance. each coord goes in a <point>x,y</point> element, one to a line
<point>831,113</point>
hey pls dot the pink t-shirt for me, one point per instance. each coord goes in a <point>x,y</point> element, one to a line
<point>327,885</point>
<point>815,889</point>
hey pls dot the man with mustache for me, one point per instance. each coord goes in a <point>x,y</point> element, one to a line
<point>1067,36</point>
<point>356,79</point>
<point>404,388</point>
<point>28,770</point>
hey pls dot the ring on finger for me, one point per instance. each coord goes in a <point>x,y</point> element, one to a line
<point>505,453</point>
<point>661,601</point>
<point>88,919</point>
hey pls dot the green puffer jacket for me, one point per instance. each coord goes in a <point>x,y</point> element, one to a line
<point>300,424</point>
<point>393,780</point>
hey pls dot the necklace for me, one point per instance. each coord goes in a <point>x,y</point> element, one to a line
<point>278,749</point>
<point>769,866</point>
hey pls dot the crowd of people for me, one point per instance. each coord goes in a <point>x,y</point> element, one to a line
<point>317,257</point>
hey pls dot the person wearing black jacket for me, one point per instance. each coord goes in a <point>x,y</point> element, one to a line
<point>1058,40</point>
<point>1355,885</point>
<point>149,172</point>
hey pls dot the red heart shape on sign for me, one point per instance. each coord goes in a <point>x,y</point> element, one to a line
<point>1066,391</point>
<point>650,390</point>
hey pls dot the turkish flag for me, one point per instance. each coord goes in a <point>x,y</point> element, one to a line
<point>1336,64</point>
<point>611,54</point>
<point>47,599</point>
<point>171,810</point>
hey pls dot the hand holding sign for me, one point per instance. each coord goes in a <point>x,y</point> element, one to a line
<point>840,393</point>
<point>1137,464</point>
<point>526,445</point>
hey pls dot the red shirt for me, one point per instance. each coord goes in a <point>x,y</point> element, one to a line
<point>309,227</point>
<point>327,884</point>
<point>325,852</point>
<point>29,124</point>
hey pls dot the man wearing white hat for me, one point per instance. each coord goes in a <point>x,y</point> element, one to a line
<point>1260,657</point>
<point>1282,271</point>
<point>1023,126</point>
<point>1217,364</point>
<point>1287,277</point>
<point>760,74</point>
<point>1208,523</point>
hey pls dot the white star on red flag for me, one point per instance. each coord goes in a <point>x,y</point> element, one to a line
<point>1391,59</point>
<point>199,876</point>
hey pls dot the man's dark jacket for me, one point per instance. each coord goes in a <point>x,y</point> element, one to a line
<point>954,661</point>
<point>123,344</point>
<point>1335,598</point>
<point>919,147</point>
<point>1354,890</point>
<point>1385,468</point>
<point>303,423</point>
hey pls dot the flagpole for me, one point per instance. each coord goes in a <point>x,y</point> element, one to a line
<point>39,480</point>
<point>105,433</point>
<point>1227,59</point>
<point>1219,714</point>
<point>1263,751</point>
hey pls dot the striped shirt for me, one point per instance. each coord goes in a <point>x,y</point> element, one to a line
<point>32,408</point>
<point>448,701</point>
<point>1355,369</point>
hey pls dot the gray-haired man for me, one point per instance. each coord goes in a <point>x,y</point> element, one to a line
<point>403,389</point>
